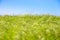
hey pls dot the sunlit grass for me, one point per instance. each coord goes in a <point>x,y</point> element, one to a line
<point>27,27</point>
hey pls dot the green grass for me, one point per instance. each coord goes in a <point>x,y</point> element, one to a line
<point>30,27</point>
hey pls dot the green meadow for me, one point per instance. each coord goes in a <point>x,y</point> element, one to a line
<point>30,27</point>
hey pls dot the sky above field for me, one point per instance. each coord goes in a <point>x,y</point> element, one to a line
<point>30,7</point>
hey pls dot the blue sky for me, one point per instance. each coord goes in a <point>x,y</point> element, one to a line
<point>30,6</point>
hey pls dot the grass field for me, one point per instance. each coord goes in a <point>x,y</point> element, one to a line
<point>30,27</point>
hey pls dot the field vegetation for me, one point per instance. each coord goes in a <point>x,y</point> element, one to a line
<point>30,27</point>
